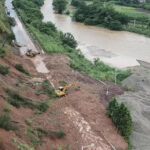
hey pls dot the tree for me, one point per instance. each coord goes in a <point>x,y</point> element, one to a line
<point>59,5</point>
<point>121,117</point>
<point>8,38</point>
<point>68,39</point>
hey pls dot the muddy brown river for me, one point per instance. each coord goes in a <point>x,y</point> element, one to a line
<point>117,48</point>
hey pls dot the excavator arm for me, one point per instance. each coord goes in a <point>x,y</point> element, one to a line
<point>68,86</point>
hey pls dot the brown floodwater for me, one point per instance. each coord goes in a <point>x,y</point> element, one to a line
<point>117,48</point>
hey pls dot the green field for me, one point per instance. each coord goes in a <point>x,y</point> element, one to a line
<point>131,11</point>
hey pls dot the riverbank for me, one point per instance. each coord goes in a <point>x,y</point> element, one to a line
<point>120,49</point>
<point>50,40</point>
<point>112,16</point>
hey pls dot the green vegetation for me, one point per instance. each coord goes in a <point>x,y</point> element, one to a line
<point>16,100</point>
<point>131,11</point>
<point>4,70</point>
<point>20,68</point>
<point>139,21</point>
<point>121,117</point>
<point>7,108</point>
<point>43,106</point>
<point>52,42</point>
<point>46,89</point>
<point>59,5</point>
<point>21,146</point>
<point>5,122</point>
<point>99,14</point>
<point>2,53</point>
<point>37,133</point>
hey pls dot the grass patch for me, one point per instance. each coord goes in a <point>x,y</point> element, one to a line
<point>5,122</point>
<point>7,108</point>
<point>46,89</point>
<point>131,11</point>
<point>43,106</point>
<point>37,133</point>
<point>28,121</point>
<point>21,146</point>
<point>20,68</point>
<point>2,53</point>
<point>4,70</point>
<point>16,100</point>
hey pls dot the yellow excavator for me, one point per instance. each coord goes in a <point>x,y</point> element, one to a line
<point>31,53</point>
<point>62,91</point>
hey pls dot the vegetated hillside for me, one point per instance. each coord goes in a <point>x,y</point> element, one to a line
<point>54,41</point>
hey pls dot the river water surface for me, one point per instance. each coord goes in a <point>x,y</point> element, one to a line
<point>117,48</point>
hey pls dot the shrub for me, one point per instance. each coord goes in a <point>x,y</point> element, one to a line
<point>11,21</point>
<point>7,108</point>
<point>43,106</point>
<point>4,69</point>
<point>20,68</point>
<point>2,53</point>
<point>5,122</point>
<point>59,5</point>
<point>68,38</point>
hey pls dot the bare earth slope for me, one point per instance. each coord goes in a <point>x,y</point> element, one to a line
<point>80,115</point>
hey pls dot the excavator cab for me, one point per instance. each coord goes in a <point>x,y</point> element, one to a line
<point>31,53</point>
<point>62,91</point>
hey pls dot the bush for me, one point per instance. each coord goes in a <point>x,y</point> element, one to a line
<point>68,38</point>
<point>20,68</point>
<point>59,5</point>
<point>5,122</point>
<point>2,53</point>
<point>98,14</point>
<point>43,106</point>
<point>4,69</point>
<point>11,21</point>
<point>121,117</point>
